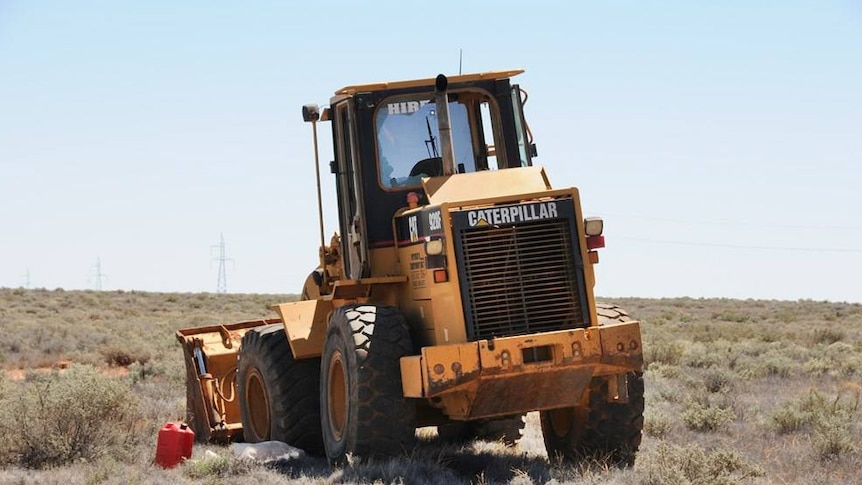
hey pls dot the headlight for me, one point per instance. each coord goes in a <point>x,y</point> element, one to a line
<point>434,247</point>
<point>593,226</point>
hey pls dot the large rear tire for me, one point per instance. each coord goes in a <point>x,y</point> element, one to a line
<point>507,430</point>
<point>362,406</point>
<point>598,429</point>
<point>278,395</point>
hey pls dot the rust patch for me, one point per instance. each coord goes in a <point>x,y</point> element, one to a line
<point>528,392</point>
<point>438,387</point>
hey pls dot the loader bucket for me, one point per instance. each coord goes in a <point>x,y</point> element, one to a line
<point>210,354</point>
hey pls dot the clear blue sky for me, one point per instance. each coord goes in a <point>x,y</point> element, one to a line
<point>720,141</point>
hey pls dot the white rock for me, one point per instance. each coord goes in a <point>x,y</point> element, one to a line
<point>266,451</point>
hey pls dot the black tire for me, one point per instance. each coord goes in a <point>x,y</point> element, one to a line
<point>507,430</point>
<point>598,429</point>
<point>362,406</point>
<point>278,395</point>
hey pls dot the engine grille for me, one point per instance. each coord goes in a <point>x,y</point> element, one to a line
<point>519,279</point>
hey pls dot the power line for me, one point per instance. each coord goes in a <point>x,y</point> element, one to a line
<point>741,246</point>
<point>734,223</point>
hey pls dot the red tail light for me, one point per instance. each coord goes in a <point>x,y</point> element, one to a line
<point>595,242</point>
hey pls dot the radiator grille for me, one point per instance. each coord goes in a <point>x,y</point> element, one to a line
<point>520,279</point>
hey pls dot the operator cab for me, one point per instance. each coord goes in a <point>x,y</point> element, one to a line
<point>386,140</point>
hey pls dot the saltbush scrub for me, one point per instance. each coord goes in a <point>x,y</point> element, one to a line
<point>698,416</point>
<point>665,352</point>
<point>813,410</point>
<point>827,335</point>
<point>717,380</point>
<point>664,370</point>
<point>833,438</point>
<point>61,417</point>
<point>831,423</point>
<point>700,356</point>
<point>657,424</point>
<point>690,465</point>
<point>216,466</point>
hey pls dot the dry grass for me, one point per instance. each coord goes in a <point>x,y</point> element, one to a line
<point>737,392</point>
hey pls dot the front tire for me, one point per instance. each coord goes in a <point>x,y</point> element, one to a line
<point>362,406</point>
<point>598,429</point>
<point>278,395</point>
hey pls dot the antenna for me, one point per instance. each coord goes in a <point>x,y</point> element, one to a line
<point>222,259</point>
<point>99,275</point>
<point>460,59</point>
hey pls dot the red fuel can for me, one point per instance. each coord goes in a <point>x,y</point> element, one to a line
<point>174,445</point>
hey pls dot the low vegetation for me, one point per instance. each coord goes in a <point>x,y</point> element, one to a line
<point>737,392</point>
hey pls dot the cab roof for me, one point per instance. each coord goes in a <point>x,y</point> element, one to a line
<point>463,78</point>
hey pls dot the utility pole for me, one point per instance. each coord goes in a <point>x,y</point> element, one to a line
<point>222,259</point>
<point>99,275</point>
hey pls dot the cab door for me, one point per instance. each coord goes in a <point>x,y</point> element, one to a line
<point>351,211</point>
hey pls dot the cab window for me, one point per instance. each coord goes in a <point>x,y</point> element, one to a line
<point>408,141</point>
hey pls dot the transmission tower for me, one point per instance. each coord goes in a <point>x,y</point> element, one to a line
<point>222,259</point>
<point>99,275</point>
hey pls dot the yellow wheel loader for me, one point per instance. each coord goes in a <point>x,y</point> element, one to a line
<point>459,294</point>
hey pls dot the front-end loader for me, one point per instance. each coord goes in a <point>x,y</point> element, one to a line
<point>458,293</point>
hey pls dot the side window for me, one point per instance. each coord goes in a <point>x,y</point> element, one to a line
<point>488,129</point>
<point>520,126</point>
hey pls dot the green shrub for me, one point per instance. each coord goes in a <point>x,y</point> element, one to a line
<point>769,364</point>
<point>778,366</point>
<point>698,416</point>
<point>717,380</point>
<point>657,424</point>
<point>124,357</point>
<point>830,420</point>
<point>664,352</point>
<point>818,366</point>
<point>217,467</point>
<point>833,438</point>
<point>665,370</point>
<point>729,316</point>
<point>691,465</point>
<point>827,335</point>
<point>700,356</point>
<point>61,417</point>
<point>789,419</point>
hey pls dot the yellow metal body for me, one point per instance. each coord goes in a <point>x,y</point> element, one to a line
<point>437,307</point>
<point>414,83</point>
<point>504,376</point>
<point>462,380</point>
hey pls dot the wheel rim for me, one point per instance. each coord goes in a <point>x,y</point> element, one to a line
<point>337,396</point>
<point>257,401</point>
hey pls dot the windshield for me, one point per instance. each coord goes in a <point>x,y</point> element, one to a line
<point>408,141</point>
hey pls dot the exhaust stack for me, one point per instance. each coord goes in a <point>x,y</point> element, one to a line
<point>443,125</point>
